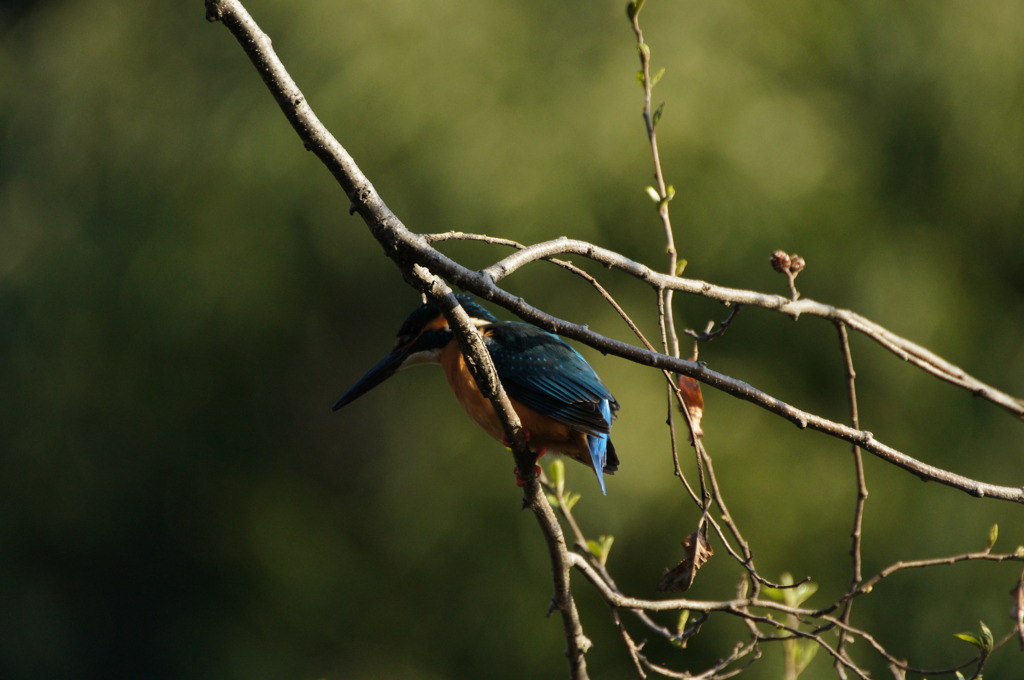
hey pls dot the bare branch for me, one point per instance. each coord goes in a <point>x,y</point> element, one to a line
<point>663,193</point>
<point>856,534</point>
<point>868,585</point>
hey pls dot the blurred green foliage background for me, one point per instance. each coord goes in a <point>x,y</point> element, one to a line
<point>183,295</point>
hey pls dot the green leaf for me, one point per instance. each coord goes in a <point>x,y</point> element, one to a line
<point>993,535</point>
<point>601,548</point>
<point>970,638</point>
<point>633,8</point>
<point>657,76</point>
<point>684,616</point>
<point>680,267</point>
<point>557,472</point>
<point>794,597</point>
<point>570,500</point>
<point>657,114</point>
<point>653,193</point>
<point>986,638</point>
<point>680,641</point>
<point>802,593</point>
<point>606,543</point>
<point>806,650</point>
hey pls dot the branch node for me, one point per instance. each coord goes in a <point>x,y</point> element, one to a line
<point>214,11</point>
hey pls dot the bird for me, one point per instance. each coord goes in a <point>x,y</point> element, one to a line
<point>560,400</point>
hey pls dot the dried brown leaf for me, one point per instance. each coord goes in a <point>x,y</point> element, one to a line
<point>693,399</point>
<point>681,577</point>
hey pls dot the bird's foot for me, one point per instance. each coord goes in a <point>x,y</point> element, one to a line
<point>508,445</point>
<point>519,480</point>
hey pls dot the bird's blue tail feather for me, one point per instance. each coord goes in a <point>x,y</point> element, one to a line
<point>598,444</point>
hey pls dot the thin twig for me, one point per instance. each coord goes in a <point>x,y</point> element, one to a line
<point>665,195</point>
<point>984,555</point>
<point>856,535</point>
<point>711,333</point>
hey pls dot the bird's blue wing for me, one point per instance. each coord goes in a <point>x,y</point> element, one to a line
<point>540,370</point>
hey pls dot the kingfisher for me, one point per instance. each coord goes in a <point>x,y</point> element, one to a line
<point>561,402</point>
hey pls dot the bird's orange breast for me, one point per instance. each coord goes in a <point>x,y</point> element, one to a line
<point>544,433</point>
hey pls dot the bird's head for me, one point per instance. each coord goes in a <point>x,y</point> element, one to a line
<point>422,336</point>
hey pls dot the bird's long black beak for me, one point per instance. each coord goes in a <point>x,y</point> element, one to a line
<point>375,376</point>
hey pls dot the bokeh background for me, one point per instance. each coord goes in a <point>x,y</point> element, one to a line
<point>183,295</point>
